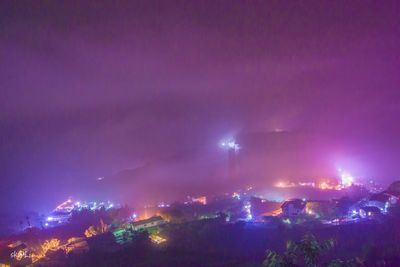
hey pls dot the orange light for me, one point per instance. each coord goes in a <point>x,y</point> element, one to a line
<point>202,200</point>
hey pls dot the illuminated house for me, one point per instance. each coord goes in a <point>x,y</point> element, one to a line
<point>320,208</point>
<point>123,236</point>
<point>369,212</point>
<point>293,207</point>
<point>148,223</point>
<point>261,207</point>
<point>386,199</point>
<point>382,201</point>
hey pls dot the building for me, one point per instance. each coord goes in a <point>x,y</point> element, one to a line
<point>293,207</point>
<point>382,201</point>
<point>148,223</point>
<point>123,235</point>
<point>320,208</point>
<point>370,213</point>
<point>262,207</point>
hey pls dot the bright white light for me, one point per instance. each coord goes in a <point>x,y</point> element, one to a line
<point>230,144</point>
<point>346,179</point>
<point>50,219</point>
<point>247,209</point>
<point>46,224</point>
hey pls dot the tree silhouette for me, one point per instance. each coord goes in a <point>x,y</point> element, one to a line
<point>306,252</point>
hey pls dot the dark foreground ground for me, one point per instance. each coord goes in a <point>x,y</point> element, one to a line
<point>243,244</point>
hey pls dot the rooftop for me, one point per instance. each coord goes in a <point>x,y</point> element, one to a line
<point>150,220</point>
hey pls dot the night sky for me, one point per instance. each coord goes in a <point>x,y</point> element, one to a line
<point>142,92</point>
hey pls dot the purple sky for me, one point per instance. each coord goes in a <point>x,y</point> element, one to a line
<point>141,93</point>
